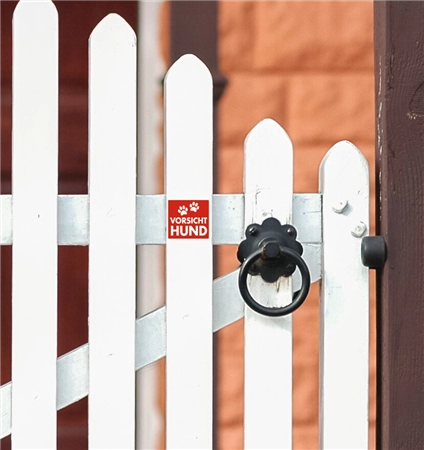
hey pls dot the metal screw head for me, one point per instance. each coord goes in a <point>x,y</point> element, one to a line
<point>252,230</point>
<point>339,205</point>
<point>359,229</point>
<point>290,231</point>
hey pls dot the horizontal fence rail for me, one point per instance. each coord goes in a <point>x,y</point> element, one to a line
<point>228,227</point>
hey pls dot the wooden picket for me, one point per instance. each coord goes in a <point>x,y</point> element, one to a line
<point>268,190</point>
<point>34,273</point>
<point>112,156</point>
<point>189,275</point>
<point>112,220</point>
<point>344,184</point>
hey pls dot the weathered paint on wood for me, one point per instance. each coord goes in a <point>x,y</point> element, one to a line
<point>112,156</point>
<point>399,87</point>
<point>268,187</point>
<point>34,253</point>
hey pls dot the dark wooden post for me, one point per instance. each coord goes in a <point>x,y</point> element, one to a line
<point>399,85</point>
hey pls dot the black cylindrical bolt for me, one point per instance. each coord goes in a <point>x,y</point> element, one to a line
<point>271,250</point>
<point>373,252</point>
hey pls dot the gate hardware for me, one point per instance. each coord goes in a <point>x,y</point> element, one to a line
<point>373,252</point>
<point>271,251</point>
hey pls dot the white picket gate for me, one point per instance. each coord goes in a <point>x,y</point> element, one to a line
<point>112,220</point>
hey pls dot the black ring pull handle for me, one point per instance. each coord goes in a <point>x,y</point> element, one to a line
<point>271,251</point>
<point>299,296</point>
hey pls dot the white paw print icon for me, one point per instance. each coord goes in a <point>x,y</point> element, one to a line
<point>194,206</point>
<point>182,210</point>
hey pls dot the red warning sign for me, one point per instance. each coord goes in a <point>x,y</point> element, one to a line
<point>188,219</point>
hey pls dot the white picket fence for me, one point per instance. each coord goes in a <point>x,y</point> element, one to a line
<point>112,220</point>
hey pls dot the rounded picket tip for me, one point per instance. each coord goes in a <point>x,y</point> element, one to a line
<point>269,130</point>
<point>343,154</point>
<point>190,68</point>
<point>36,12</point>
<point>32,1</point>
<point>36,1</point>
<point>270,127</point>
<point>111,25</point>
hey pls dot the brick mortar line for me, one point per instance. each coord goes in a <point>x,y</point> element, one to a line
<point>262,72</point>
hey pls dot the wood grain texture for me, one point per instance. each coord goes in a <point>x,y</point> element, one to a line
<point>399,61</point>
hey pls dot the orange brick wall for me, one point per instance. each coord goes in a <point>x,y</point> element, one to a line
<point>309,66</point>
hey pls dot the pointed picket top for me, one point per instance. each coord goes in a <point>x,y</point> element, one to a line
<point>112,155</point>
<point>343,154</point>
<point>188,125</point>
<point>344,327</point>
<point>188,70</point>
<point>272,140</point>
<point>273,130</point>
<point>268,189</point>
<point>34,11</point>
<point>34,217</point>
<point>268,148</point>
<point>110,28</point>
<point>189,362</point>
<point>23,3</point>
<point>31,5</point>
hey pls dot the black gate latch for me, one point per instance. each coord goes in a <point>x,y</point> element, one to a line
<point>271,251</point>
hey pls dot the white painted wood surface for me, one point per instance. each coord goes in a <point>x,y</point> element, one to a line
<point>112,190</point>
<point>188,157</point>
<point>268,187</point>
<point>6,220</point>
<point>34,253</point>
<point>344,349</point>
<point>6,410</point>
